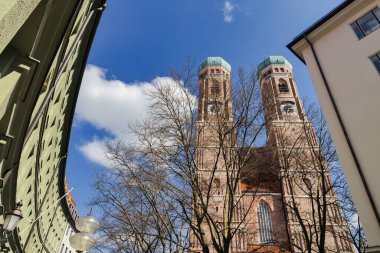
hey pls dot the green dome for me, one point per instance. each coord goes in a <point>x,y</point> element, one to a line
<point>273,60</point>
<point>214,61</point>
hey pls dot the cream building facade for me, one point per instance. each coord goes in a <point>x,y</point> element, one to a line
<point>44,45</point>
<point>342,54</point>
<point>65,246</point>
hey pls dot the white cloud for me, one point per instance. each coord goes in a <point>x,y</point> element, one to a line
<point>95,151</point>
<point>227,11</point>
<point>112,105</point>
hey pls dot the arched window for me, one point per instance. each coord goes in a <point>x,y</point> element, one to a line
<point>216,183</point>
<point>215,89</point>
<point>265,223</point>
<point>307,183</point>
<point>282,86</point>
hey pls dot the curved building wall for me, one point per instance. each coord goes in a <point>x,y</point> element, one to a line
<point>40,72</point>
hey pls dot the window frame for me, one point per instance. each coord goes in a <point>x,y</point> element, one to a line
<point>265,223</point>
<point>281,86</point>
<point>375,55</point>
<point>357,25</point>
<point>215,88</point>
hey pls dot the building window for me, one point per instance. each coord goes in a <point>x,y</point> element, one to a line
<point>216,183</point>
<point>376,61</point>
<point>282,86</point>
<point>265,224</point>
<point>367,24</point>
<point>307,183</point>
<point>215,89</point>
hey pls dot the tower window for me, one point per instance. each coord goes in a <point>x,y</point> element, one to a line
<point>282,69</point>
<point>216,183</point>
<point>283,87</point>
<point>265,224</point>
<point>307,183</point>
<point>276,70</point>
<point>215,89</point>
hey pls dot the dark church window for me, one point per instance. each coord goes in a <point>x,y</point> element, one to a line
<point>216,183</point>
<point>215,89</point>
<point>265,223</point>
<point>283,87</point>
<point>307,183</point>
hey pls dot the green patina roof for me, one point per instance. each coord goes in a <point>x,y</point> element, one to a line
<point>273,60</point>
<point>215,61</point>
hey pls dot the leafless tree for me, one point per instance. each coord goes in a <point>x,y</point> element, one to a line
<point>356,232</point>
<point>139,214</point>
<point>177,186</point>
<point>317,188</point>
<point>156,196</point>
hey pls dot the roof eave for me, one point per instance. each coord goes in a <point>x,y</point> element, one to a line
<point>317,24</point>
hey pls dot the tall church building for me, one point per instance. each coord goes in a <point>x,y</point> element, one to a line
<point>280,185</point>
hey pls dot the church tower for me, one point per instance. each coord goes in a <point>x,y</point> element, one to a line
<point>301,170</point>
<point>278,188</point>
<point>280,97</point>
<point>215,149</point>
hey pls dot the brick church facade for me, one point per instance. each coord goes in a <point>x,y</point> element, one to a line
<point>267,189</point>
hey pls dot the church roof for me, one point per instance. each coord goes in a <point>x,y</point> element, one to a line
<point>215,61</point>
<point>273,60</point>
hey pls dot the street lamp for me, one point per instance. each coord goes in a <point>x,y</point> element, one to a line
<point>11,220</point>
<point>85,239</point>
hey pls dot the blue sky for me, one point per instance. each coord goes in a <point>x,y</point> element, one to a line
<point>138,41</point>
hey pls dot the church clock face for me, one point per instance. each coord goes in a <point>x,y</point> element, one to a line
<point>288,108</point>
<point>214,107</point>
